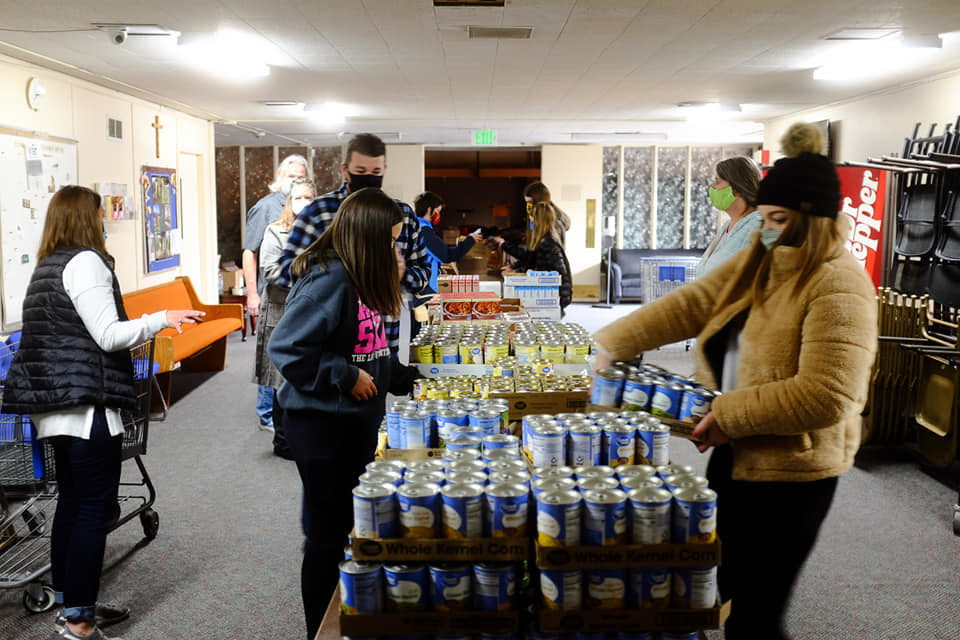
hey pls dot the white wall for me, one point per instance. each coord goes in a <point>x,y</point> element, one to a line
<point>574,174</point>
<point>78,109</point>
<point>877,124</point>
<point>404,178</point>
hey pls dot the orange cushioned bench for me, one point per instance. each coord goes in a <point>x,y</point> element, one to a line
<point>202,346</point>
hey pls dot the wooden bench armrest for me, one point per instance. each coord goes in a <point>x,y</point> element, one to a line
<point>163,353</point>
<point>213,311</point>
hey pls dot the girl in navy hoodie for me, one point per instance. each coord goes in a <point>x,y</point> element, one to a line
<point>331,349</point>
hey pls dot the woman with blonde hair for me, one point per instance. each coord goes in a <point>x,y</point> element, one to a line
<point>536,193</point>
<point>300,193</point>
<point>786,330</point>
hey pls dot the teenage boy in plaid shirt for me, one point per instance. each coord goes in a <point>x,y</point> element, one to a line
<point>364,165</point>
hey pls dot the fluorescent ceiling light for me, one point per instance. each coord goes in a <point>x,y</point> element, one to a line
<point>857,33</point>
<point>922,41</point>
<point>226,53</point>
<point>281,103</point>
<point>864,60</point>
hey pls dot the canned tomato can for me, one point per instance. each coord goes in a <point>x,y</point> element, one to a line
<point>548,445</point>
<point>653,444</point>
<point>650,515</point>
<point>472,443</point>
<point>650,588</point>
<point>666,399</point>
<point>695,588</point>
<point>672,483</point>
<point>485,418</point>
<point>585,445</point>
<point>382,477</point>
<point>604,517</point>
<point>457,455</point>
<point>553,484</point>
<point>471,352</point>
<point>695,404</point>
<point>629,483</point>
<point>507,510</point>
<point>597,484</point>
<point>414,429</point>
<point>425,477</point>
<point>378,466</point>
<point>451,586</point>
<point>462,510</point>
<point>466,466</point>
<point>502,441</point>
<point>637,391</point>
<point>666,470</point>
<point>467,477</point>
<point>561,589</point>
<point>374,511</point>
<point>419,510</point>
<point>559,518</point>
<point>494,586</point>
<point>606,588</point>
<point>607,388</point>
<point>696,507</point>
<point>619,444</point>
<point>407,587</point>
<point>505,477</point>
<point>448,418</point>
<point>361,588</point>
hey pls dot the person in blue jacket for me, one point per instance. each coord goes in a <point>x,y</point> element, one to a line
<point>428,206</point>
<point>331,349</point>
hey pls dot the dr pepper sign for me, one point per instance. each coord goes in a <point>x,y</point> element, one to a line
<point>863,198</point>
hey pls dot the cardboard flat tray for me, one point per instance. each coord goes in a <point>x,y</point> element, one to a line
<point>441,550</point>
<point>636,620</point>
<point>678,428</point>
<point>645,556</point>
<point>432,623</point>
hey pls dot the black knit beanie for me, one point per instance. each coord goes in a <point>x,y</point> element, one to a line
<point>807,183</point>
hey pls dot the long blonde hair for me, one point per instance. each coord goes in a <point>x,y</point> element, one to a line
<point>544,218</point>
<point>287,216</point>
<point>74,219</point>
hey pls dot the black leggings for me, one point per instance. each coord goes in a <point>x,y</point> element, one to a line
<point>329,474</point>
<point>767,530</point>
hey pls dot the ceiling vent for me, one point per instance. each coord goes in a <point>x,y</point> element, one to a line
<point>858,33</point>
<point>468,3</point>
<point>513,33</point>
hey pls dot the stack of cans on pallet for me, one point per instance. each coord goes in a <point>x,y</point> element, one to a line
<point>632,504</point>
<point>528,342</point>
<point>651,388</point>
<point>598,437</point>
<point>508,377</point>
<point>458,423</point>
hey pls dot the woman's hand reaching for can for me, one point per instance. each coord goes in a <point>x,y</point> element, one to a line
<point>364,389</point>
<point>709,433</point>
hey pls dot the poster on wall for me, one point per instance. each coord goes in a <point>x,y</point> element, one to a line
<point>114,201</point>
<point>161,224</point>
<point>863,197</point>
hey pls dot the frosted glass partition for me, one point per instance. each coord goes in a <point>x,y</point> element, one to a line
<point>671,196</point>
<point>637,196</point>
<point>703,217</point>
<point>611,194</point>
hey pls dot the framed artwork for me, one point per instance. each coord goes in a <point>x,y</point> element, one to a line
<point>161,218</point>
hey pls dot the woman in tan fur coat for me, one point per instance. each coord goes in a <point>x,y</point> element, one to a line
<point>787,331</point>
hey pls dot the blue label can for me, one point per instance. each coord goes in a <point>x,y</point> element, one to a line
<point>414,429</point>
<point>620,444</point>
<point>487,419</point>
<point>419,507</point>
<point>494,587</point>
<point>653,444</point>
<point>605,517</point>
<point>650,588</point>
<point>552,484</point>
<point>406,588</point>
<point>374,511</point>
<point>607,388</point>
<point>561,589</point>
<point>502,441</point>
<point>585,446</point>
<point>637,392</point>
<point>695,404</point>
<point>606,588</point>
<point>666,400</point>
<point>507,510</point>
<point>394,438</point>
<point>472,443</point>
<point>559,518</point>
<point>462,510</point>
<point>696,508</point>
<point>447,419</point>
<point>694,588</point>
<point>361,588</point>
<point>451,586</point>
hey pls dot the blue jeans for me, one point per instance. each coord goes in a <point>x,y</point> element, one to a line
<point>88,479</point>
<point>265,404</point>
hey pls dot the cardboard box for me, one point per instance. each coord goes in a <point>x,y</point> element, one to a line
<point>634,620</point>
<point>442,370</point>
<point>677,428</point>
<point>441,550</point>
<point>232,278</point>
<point>544,314</point>
<point>429,623</point>
<point>526,280</point>
<point>522,404</point>
<point>467,306</point>
<point>644,556</point>
<point>411,455</point>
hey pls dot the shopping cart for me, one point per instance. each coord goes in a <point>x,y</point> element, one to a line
<point>28,493</point>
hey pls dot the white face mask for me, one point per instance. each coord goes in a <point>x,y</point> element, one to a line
<point>285,185</point>
<point>297,204</point>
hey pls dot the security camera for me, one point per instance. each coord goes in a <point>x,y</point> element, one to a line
<point>118,36</point>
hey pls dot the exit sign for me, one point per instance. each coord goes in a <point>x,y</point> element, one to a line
<point>484,137</point>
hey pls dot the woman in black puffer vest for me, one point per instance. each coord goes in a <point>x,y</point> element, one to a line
<point>72,373</point>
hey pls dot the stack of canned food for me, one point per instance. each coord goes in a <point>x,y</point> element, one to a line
<point>458,423</point>
<point>552,342</point>
<point>634,504</point>
<point>596,438</point>
<point>508,377</point>
<point>651,388</point>
<point>467,494</point>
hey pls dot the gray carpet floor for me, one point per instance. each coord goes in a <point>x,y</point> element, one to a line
<point>226,561</point>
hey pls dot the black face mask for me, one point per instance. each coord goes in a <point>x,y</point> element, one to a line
<point>363,180</point>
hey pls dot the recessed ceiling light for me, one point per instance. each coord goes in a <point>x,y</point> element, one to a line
<point>513,33</point>
<point>857,33</point>
<point>281,103</point>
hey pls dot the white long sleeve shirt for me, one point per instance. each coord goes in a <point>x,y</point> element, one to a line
<point>89,283</point>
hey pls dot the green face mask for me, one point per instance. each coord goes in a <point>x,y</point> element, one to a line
<point>722,198</point>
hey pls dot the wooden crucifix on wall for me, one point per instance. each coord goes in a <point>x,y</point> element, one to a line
<point>157,126</point>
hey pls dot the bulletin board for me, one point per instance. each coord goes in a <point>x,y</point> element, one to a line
<point>161,219</point>
<point>32,169</point>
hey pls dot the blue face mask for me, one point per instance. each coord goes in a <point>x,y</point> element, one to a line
<point>769,237</point>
